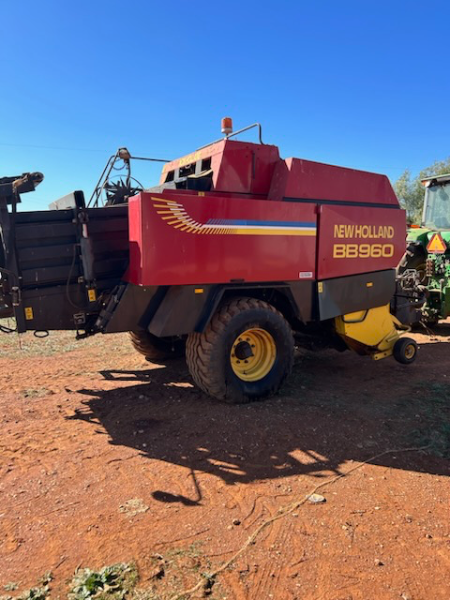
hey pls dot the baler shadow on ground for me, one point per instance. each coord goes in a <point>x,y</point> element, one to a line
<point>335,408</point>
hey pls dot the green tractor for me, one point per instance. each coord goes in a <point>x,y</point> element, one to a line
<point>425,265</point>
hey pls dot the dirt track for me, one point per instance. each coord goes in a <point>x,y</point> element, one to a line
<point>87,427</point>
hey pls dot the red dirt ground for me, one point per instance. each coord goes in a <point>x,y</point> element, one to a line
<point>88,426</point>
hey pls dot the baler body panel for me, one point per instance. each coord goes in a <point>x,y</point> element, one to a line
<point>299,179</point>
<point>187,239</point>
<point>237,167</point>
<point>210,239</point>
<point>354,240</point>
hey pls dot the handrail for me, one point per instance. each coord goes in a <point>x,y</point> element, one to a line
<point>258,125</point>
<point>121,154</point>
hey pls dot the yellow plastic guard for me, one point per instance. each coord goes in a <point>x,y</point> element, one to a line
<point>372,331</point>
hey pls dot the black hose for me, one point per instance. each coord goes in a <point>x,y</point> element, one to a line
<point>69,278</point>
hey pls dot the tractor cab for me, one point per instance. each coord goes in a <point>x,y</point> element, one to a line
<point>436,210</point>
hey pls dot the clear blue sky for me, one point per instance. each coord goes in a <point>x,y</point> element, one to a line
<point>361,83</point>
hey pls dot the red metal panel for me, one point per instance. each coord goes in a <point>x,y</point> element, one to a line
<point>238,167</point>
<point>235,170</point>
<point>356,240</point>
<point>194,240</point>
<point>246,168</point>
<point>304,179</point>
<point>213,150</point>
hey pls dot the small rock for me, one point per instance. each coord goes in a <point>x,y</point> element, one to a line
<point>316,498</point>
<point>133,507</point>
<point>429,536</point>
<point>379,562</point>
<point>408,518</point>
<point>236,522</point>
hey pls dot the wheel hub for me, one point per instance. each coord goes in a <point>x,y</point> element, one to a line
<point>253,354</point>
<point>243,350</point>
<point>410,351</point>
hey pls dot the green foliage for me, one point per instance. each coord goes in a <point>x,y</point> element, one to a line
<point>411,192</point>
<point>39,592</point>
<point>110,583</point>
<point>36,593</point>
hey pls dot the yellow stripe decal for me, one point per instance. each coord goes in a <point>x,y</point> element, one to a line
<point>176,215</point>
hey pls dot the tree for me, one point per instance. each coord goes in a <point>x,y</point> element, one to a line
<point>411,192</point>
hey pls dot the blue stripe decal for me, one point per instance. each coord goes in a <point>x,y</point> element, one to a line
<point>261,223</point>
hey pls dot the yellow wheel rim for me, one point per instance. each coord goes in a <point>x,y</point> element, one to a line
<point>410,351</point>
<point>253,354</point>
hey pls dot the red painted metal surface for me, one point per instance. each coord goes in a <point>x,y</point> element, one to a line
<point>185,239</point>
<point>227,240</point>
<point>248,168</point>
<point>304,179</point>
<point>179,237</point>
<point>354,240</point>
<point>238,167</point>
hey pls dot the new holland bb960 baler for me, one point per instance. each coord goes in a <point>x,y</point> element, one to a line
<point>234,252</point>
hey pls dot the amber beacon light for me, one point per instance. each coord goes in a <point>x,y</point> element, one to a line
<point>227,125</point>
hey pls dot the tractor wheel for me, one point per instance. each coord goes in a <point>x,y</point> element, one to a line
<point>245,353</point>
<point>155,348</point>
<point>405,351</point>
<point>414,258</point>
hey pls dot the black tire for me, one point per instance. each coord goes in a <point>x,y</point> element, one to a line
<point>405,351</point>
<point>209,354</point>
<point>414,258</point>
<point>155,348</point>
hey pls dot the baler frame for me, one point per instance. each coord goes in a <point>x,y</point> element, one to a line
<point>233,250</point>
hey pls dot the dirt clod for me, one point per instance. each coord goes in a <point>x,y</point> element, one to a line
<point>133,507</point>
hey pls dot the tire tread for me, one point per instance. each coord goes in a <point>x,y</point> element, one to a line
<point>202,357</point>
